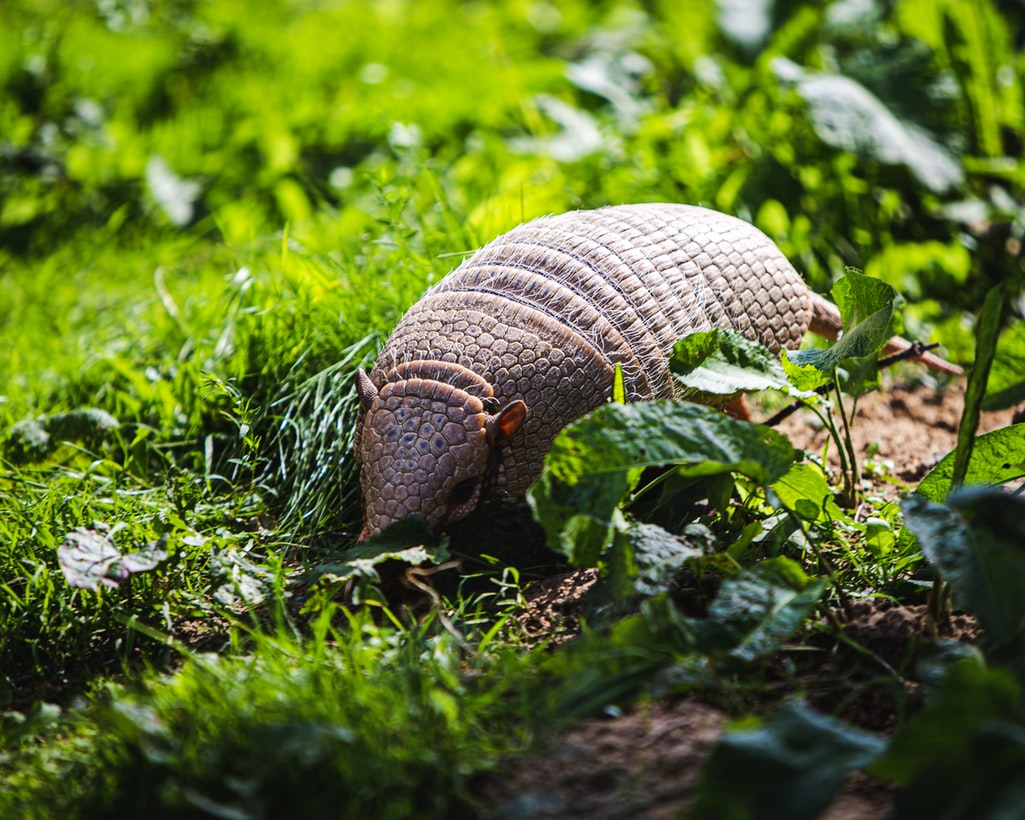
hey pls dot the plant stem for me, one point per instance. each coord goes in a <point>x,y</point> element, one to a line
<point>851,477</point>
<point>824,564</point>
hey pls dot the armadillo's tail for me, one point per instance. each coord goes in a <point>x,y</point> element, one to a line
<point>825,321</point>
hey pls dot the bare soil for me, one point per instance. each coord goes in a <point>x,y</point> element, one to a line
<point>644,762</point>
<point>899,433</point>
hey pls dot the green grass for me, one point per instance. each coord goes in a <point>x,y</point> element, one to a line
<point>209,219</point>
<point>361,720</point>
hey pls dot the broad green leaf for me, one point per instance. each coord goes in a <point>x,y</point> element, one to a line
<point>989,781</point>
<point>365,567</point>
<point>758,609</point>
<point>90,559</point>
<point>861,297</point>
<point>248,582</point>
<point>977,539</point>
<point>614,438</point>
<point>787,766</point>
<point>568,513</point>
<point>848,116</point>
<point>593,462</point>
<point>411,531</point>
<point>880,538</point>
<point>938,749</point>
<point>997,457</point>
<point>332,577</point>
<point>804,373</point>
<point>858,376</point>
<point>987,330</point>
<point>409,541</point>
<point>35,439</point>
<point>804,490</point>
<point>862,340</point>
<point>1011,396</point>
<point>1006,386</point>
<point>718,363</point>
<point>659,556</point>
<point>866,308</point>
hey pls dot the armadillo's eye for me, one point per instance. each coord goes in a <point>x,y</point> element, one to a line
<point>462,492</point>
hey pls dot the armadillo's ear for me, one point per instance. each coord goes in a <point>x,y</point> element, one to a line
<point>504,424</point>
<point>366,390</point>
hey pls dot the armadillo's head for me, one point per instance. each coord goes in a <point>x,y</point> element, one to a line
<point>426,442</point>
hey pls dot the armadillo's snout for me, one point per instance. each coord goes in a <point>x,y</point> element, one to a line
<point>423,450</point>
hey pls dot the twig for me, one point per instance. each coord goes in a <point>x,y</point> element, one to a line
<point>415,577</point>
<point>851,474</point>
<point>916,351</point>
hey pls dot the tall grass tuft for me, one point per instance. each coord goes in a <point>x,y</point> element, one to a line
<point>311,445</point>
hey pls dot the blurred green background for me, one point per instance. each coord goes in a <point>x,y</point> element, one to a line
<point>880,134</point>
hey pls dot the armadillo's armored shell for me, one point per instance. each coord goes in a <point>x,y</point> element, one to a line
<point>546,311</point>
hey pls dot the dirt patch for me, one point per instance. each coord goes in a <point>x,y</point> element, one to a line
<point>869,677</point>
<point>642,763</point>
<point>210,633</point>
<point>554,606</point>
<point>900,432</point>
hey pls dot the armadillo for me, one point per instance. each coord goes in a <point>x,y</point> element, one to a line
<point>481,374</point>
